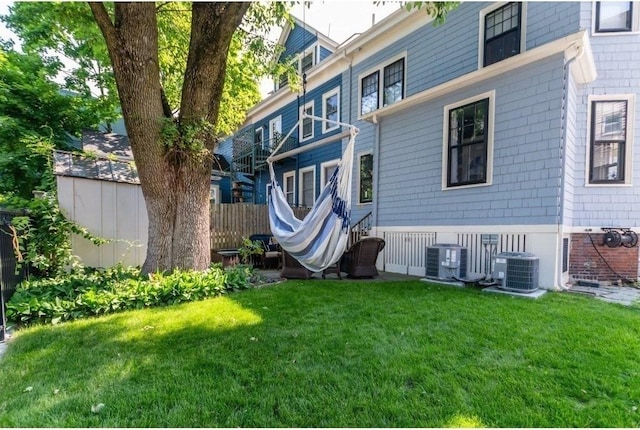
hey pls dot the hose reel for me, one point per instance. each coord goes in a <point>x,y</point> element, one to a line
<point>615,237</point>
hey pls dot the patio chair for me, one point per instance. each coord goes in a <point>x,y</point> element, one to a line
<point>292,269</point>
<point>272,251</point>
<point>359,261</point>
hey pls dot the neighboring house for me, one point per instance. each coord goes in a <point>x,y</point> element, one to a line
<point>268,122</point>
<point>515,120</point>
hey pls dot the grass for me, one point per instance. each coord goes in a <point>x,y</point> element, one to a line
<point>334,354</point>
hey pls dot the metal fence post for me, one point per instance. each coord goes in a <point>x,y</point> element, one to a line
<point>9,279</point>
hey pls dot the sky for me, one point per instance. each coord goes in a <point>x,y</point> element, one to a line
<point>340,19</point>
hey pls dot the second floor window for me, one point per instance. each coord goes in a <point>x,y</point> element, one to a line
<point>614,16</point>
<point>393,82</point>
<point>369,93</point>
<point>330,109</point>
<point>502,32</point>
<point>306,126</point>
<point>258,136</point>
<point>382,87</point>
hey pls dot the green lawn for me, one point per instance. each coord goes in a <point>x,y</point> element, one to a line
<point>334,354</point>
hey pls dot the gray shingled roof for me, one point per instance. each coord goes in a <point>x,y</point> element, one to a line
<point>69,164</point>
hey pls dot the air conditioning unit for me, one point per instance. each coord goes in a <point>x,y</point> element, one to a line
<point>446,261</point>
<point>517,271</point>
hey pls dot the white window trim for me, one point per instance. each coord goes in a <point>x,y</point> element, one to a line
<point>313,124</point>
<point>380,69</point>
<point>303,54</point>
<point>635,24</point>
<point>271,122</point>
<point>268,188</point>
<point>264,144</point>
<point>628,152</point>
<point>301,173</point>
<point>491,95</point>
<point>360,155</point>
<point>324,166</point>
<point>214,194</point>
<point>326,126</point>
<point>314,50</point>
<point>285,175</point>
<point>523,30</point>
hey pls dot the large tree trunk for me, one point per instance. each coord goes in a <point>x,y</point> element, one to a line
<point>175,184</point>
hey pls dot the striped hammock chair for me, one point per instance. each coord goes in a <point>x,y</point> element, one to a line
<point>319,240</point>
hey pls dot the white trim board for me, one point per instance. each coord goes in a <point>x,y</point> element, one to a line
<point>584,62</point>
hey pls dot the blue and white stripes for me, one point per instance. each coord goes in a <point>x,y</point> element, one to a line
<point>319,240</point>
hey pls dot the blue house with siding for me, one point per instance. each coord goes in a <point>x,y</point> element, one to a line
<point>300,175</point>
<point>513,121</point>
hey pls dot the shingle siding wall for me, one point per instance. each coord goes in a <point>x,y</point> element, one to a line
<point>617,58</point>
<point>570,152</point>
<point>548,21</point>
<point>298,39</point>
<point>324,53</point>
<point>438,54</point>
<point>526,157</point>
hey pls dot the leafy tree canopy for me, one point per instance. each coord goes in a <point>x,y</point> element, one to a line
<point>35,117</point>
<point>68,30</point>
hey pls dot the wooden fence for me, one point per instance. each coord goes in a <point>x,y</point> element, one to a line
<point>231,222</point>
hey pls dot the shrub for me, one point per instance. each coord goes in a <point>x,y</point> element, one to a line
<point>90,292</point>
<point>44,235</point>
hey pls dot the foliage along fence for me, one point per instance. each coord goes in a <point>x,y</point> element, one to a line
<point>9,279</point>
<point>231,222</point>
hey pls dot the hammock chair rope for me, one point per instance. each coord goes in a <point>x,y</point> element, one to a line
<point>319,240</point>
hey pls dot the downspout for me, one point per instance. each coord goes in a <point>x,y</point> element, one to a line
<point>376,172</point>
<point>563,162</point>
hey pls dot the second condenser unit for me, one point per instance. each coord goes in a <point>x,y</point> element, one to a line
<point>445,261</point>
<point>517,271</point>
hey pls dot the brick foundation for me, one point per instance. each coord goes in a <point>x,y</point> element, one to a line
<point>585,263</point>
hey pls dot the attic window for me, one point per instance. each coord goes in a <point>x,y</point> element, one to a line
<point>306,63</point>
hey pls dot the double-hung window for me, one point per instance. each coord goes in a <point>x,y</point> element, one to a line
<point>326,171</point>
<point>307,186</point>
<point>614,17</point>
<point>502,33</point>
<point>365,186</point>
<point>383,86</point>
<point>258,138</point>
<point>331,109</point>
<point>275,132</point>
<point>306,62</point>
<point>609,146</point>
<point>393,85</point>
<point>289,187</point>
<point>369,85</point>
<point>468,142</point>
<point>306,125</point>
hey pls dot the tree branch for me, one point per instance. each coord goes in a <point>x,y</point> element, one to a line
<point>104,22</point>
<point>166,108</point>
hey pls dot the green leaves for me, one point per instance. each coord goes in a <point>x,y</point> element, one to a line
<point>437,9</point>
<point>44,235</point>
<point>87,292</point>
<point>35,118</point>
